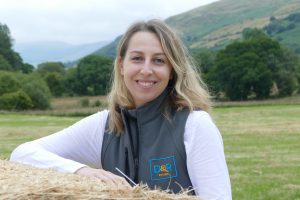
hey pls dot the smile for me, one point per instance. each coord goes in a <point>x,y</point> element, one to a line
<point>146,84</point>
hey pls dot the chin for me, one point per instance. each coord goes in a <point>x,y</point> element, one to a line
<point>145,100</point>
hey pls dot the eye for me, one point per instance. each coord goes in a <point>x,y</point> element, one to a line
<point>159,61</point>
<point>137,58</point>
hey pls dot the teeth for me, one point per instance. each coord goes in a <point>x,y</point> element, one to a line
<point>145,84</point>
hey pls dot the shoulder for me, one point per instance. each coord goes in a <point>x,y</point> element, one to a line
<point>101,115</point>
<point>198,117</point>
<point>93,121</point>
<point>200,126</point>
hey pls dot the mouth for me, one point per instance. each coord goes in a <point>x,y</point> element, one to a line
<point>146,84</point>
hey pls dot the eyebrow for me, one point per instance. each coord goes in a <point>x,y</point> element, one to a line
<point>140,52</point>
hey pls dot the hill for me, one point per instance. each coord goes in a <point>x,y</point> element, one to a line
<point>286,30</point>
<point>38,52</point>
<point>216,24</point>
<point>109,50</point>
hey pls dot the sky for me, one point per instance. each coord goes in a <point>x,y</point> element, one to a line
<point>83,21</point>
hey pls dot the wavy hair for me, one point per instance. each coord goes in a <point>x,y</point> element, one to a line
<point>188,90</point>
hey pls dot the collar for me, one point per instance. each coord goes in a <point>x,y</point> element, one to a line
<point>149,110</point>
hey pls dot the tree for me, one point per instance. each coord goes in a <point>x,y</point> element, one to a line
<point>13,59</point>
<point>23,91</point>
<point>93,75</point>
<point>8,83</point>
<point>27,68</point>
<point>55,83</point>
<point>49,67</point>
<point>249,33</point>
<point>240,74</point>
<point>295,17</point>
<point>252,66</point>
<point>37,89</point>
<point>4,65</point>
<point>5,43</point>
<point>204,59</point>
<point>298,75</point>
<point>205,62</point>
<point>70,82</point>
<point>53,73</point>
<point>18,100</point>
<point>285,76</point>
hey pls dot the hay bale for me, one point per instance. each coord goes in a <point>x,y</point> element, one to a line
<point>19,181</point>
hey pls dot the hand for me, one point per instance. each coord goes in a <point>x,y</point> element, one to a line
<point>103,175</point>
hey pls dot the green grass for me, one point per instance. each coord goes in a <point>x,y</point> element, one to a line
<point>261,145</point>
<point>16,129</point>
<point>262,150</point>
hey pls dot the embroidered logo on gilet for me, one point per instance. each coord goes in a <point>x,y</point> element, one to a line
<point>163,168</point>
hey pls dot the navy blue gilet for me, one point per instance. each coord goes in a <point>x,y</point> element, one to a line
<point>151,149</point>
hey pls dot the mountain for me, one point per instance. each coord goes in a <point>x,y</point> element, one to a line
<point>110,49</point>
<point>217,24</point>
<point>39,52</point>
<point>286,30</point>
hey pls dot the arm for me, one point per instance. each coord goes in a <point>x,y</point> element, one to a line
<point>68,150</point>
<point>205,158</point>
<point>76,149</point>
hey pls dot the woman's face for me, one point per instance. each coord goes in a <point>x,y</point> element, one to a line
<point>145,68</point>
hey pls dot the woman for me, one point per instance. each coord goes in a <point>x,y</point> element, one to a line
<point>157,130</point>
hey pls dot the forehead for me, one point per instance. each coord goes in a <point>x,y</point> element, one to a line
<point>146,42</point>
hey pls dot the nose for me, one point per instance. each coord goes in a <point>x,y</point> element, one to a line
<point>146,68</point>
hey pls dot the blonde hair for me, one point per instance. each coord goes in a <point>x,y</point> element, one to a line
<point>189,91</point>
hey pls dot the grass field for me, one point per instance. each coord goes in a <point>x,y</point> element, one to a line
<point>262,150</point>
<point>17,128</point>
<point>262,145</point>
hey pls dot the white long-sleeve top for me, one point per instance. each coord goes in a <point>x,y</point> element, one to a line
<point>80,145</point>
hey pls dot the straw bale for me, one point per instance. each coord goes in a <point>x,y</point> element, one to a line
<point>18,181</point>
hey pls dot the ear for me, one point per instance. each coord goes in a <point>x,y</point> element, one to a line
<point>120,64</point>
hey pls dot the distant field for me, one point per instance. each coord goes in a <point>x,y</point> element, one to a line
<point>261,145</point>
<point>72,106</point>
<point>17,128</point>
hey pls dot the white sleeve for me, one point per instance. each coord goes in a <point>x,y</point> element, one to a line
<point>206,162</point>
<point>67,150</point>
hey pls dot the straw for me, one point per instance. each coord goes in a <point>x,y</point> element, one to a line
<point>18,181</point>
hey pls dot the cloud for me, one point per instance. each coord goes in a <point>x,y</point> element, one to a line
<point>83,21</point>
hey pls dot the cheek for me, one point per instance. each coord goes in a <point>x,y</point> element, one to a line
<point>125,72</point>
<point>169,72</point>
<point>130,70</point>
<point>168,75</point>
<point>127,75</point>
